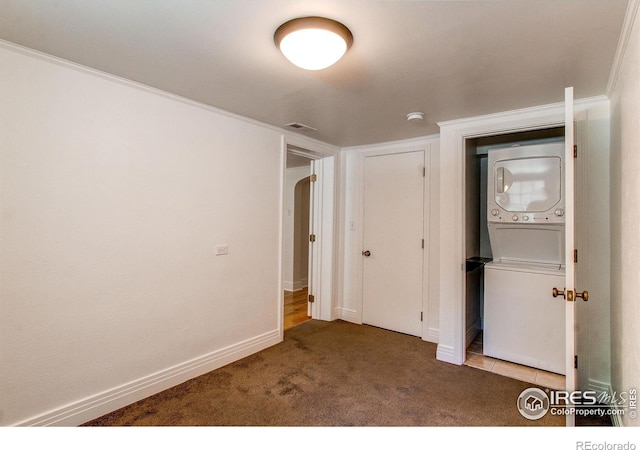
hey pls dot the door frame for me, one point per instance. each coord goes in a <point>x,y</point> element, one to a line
<point>322,275</point>
<point>453,136</point>
<point>351,239</point>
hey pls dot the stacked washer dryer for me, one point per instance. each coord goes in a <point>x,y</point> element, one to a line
<point>523,323</point>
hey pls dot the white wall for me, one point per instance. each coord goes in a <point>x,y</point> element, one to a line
<point>625,213</point>
<point>292,176</point>
<point>113,199</point>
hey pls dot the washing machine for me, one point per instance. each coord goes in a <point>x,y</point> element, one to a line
<point>523,323</point>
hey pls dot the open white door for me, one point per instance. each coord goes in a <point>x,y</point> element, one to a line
<point>570,294</point>
<point>570,274</point>
<point>313,254</point>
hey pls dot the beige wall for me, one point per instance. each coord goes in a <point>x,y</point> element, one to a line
<point>114,198</point>
<point>625,220</point>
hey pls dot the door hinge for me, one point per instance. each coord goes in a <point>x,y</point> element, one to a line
<point>575,151</point>
<point>421,316</point>
<point>575,361</point>
<point>575,255</point>
<point>313,178</point>
<point>312,238</point>
<point>423,243</point>
<point>311,298</point>
<point>424,171</point>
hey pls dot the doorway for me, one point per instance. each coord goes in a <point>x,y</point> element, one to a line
<point>320,162</point>
<point>298,209</point>
<point>478,251</point>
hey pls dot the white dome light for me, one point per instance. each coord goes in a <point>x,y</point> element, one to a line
<point>313,43</point>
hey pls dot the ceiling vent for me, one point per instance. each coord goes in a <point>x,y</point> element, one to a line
<point>300,126</point>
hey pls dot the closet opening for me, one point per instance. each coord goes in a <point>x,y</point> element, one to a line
<point>478,246</point>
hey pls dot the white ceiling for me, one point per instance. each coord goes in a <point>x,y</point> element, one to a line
<point>450,59</point>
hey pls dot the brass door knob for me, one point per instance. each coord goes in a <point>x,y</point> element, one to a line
<point>569,295</point>
<point>583,295</point>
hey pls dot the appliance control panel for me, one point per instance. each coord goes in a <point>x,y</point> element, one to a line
<point>502,216</point>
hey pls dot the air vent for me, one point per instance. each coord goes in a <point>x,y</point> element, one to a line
<point>300,126</point>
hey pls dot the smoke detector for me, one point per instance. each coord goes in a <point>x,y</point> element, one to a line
<point>415,116</point>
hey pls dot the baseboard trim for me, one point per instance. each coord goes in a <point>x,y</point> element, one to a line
<point>433,335</point>
<point>599,387</point>
<point>446,353</point>
<point>606,389</point>
<point>472,332</point>
<point>293,286</point>
<point>349,315</point>
<point>95,406</point>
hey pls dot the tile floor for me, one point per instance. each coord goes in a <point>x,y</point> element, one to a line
<point>475,358</point>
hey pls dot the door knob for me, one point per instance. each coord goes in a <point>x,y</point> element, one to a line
<point>569,294</point>
<point>366,253</point>
<point>583,295</point>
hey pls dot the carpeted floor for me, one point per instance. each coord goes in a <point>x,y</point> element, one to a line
<point>336,374</point>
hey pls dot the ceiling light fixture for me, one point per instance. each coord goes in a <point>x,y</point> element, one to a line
<point>313,43</point>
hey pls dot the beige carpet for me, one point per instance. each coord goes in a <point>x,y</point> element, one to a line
<point>337,374</point>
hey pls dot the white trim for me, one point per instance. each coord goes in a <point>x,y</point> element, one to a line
<point>95,406</point>
<point>625,34</point>
<point>532,118</point>
<point>432,335</point>
<point>349,315</point>
<point>616,420</point>
<point>387,148</point>
<point>294,286</point>
<point>472,332</point>
<point>281,236</point>
<point>447,353</point>
<point>606,388</point>
<point>427,263</point>
<point>600,387</point>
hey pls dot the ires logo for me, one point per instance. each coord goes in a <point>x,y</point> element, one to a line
<point>534,403</point>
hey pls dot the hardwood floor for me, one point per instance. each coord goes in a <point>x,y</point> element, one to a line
<point>295,308</point>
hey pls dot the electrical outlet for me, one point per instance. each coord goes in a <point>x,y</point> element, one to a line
<point>222,250</point>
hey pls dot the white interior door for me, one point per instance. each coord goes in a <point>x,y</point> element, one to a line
<point>571,295</point>
<point>393,241</point>
<point>314,266</point>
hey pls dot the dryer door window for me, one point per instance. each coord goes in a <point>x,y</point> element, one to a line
<point>528,184</point>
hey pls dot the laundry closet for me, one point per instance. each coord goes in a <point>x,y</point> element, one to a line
<point>514,235</point>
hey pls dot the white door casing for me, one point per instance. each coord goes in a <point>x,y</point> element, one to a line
<point>321,275</point>
<point>451,342</point>
<point>393,234</point>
